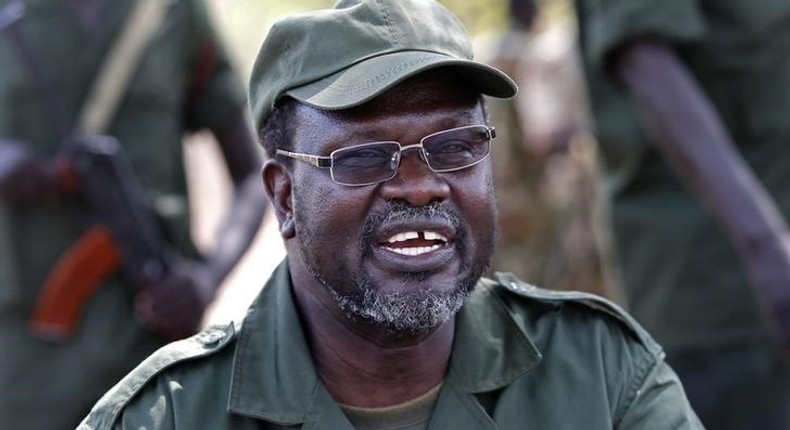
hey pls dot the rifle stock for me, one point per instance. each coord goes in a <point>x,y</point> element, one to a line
<point>126,228</point>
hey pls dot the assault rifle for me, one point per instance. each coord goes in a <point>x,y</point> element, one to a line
<point>125,236</point>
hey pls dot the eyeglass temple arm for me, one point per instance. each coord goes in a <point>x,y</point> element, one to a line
<point>315,160</point>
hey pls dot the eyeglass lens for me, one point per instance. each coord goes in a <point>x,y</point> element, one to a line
<point>444,151</point>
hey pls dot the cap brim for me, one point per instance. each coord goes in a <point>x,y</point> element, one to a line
<point>366,80</point>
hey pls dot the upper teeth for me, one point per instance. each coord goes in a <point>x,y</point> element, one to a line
<point>402,237</point>
<point>416,250</point>
<point>432,235</point>
<point>427,235</point>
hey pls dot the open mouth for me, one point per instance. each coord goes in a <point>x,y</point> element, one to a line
<point>414,243</point>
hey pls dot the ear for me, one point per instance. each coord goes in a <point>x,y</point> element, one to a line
<point>277,182</point>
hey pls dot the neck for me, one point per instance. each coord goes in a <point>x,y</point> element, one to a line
<point>366,366</point>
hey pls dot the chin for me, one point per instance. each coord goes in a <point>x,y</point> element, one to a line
<point>416,309</point>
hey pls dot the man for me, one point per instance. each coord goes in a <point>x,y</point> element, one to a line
<point>51,52</point>
<point>379,174</point>
<point>689,99</point>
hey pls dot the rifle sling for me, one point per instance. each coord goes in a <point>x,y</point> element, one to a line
<point>119,66</point>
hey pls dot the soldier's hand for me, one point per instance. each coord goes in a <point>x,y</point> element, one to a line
<point>174,307</point>
<point>24,176</point>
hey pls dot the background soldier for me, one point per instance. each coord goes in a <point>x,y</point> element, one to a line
<point>691,102</point>
<point>51,52</point>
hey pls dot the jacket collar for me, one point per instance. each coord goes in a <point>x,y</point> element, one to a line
<point>491,349</point>
<point>274,378</point>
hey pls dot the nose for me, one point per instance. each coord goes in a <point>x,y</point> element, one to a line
<point>415,182</point>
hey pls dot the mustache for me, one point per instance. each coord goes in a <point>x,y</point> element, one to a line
<point>399,211</point>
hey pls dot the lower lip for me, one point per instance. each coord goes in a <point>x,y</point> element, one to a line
<point>428,261</point>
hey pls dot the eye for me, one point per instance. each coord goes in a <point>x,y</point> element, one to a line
<point>370,153</point>
<point>362,157</point>
<point>452,147</point>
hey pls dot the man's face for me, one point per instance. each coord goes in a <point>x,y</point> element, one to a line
<point>402,254</point>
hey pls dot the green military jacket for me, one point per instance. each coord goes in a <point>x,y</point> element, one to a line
<point>522,358</point>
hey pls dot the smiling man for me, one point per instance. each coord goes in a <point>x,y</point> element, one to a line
<point>379,318</point>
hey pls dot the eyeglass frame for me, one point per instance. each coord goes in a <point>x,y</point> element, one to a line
<point>325,161</point>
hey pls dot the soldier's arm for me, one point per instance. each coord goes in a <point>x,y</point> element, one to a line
<point>248,202</point>
<point>217,103</point>
<point>220,105</point>
<point>690,134</point>
<point>175,307</point>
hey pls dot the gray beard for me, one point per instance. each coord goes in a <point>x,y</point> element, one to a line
<point>416,311</point>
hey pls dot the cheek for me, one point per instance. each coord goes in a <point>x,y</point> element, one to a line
<point>326,216</point>
<point>484,216</point>
<point>478,204</point>
<point>312,208</point>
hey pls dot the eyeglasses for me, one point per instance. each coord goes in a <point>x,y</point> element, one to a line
<point>371,163</point>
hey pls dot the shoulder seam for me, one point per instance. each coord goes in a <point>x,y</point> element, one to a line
<point>521,288</point>
<point>639,381</point>
<point>205,343</point>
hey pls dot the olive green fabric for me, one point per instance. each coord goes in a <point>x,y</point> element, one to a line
<point>339,58</point>
<point>682,277</point>
<point>414,414</point>
<point>522,358</point>
<point>52,385</point>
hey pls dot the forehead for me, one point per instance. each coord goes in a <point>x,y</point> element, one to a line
<point>428,102</point>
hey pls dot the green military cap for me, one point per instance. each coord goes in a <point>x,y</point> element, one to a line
<point>345,56</point>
